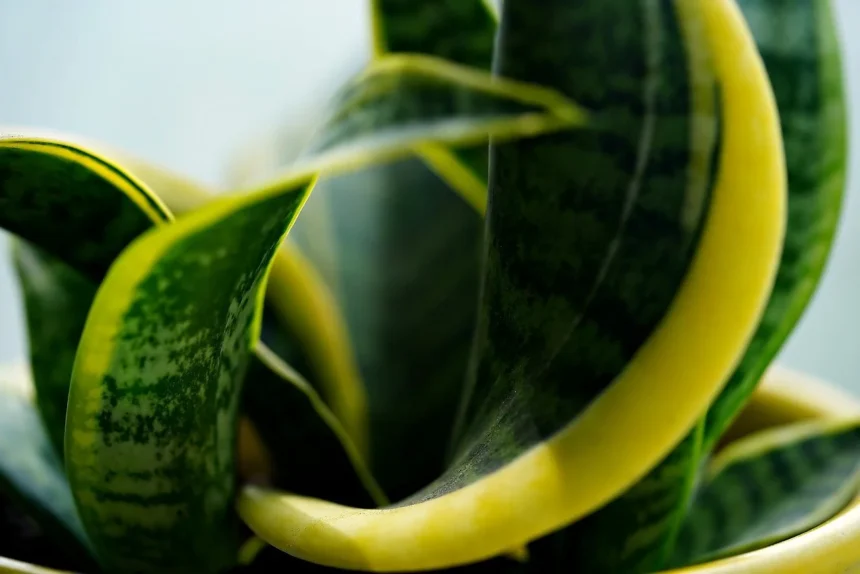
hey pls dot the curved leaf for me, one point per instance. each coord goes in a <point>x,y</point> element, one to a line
<point>798,44</point>
<point>512,486</point>
<point>461,31</point>
<point>44,180</point>
<point>771,486</point>
<point>151,427</point>
<point>403,102</point>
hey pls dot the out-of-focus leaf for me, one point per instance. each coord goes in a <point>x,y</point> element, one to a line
<point>32,475</point>
<point>8,566</point>
<point>570,366</point>
<point>771,486</point>
<point>461,31</point>
<point>798,44</point>
<point>43,181</point>
<point>57,299</point>
<point>401,253</point>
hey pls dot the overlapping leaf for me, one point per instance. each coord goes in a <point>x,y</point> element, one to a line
<point>798,44</point>
<point>351,140</point>
<point>459,31</point>
<point>508,485</point>
<point>771,486</point>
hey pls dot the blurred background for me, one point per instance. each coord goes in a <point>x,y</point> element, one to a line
<point>189,84</point>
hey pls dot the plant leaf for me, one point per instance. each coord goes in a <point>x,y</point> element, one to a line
<point>32,474</point>
<point>44,180</point>
<point>403,102</point>
<point>8,566</point>
<point>404,268</point>
<point>770,486</point>
<point>798,44</point>
<point>151,427</point>
<point>461,31</point>
<point>520,479</point>
<point>57,299</point>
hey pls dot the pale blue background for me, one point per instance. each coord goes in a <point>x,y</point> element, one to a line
<point>187,82</point>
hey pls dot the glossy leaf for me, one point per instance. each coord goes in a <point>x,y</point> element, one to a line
<point>31,474</point>
<point>771,486</point>
<point>798,44</point>
<point>522,476</point>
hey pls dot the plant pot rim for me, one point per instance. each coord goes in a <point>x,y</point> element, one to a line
<point>832,547</point>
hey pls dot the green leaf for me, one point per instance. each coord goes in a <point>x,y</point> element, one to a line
<point>294,423</point>
<point>401,254</point>
<point>556,394</point>
<point>401,103</point>
<point>771,486</point>
<point>42,276</point>
<point>57,299</point>
<point>151,430</point>
<point>32,474</point>
<point>798,44</point>
<point>45,180</point>
<point>461,31</point>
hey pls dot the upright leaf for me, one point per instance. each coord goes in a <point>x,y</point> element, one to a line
<point>771,486</point>
<point>533,427</point>
<point>57,299</point>
<point>399,251</point>
<point>155,392</point>
<point>798,44</point>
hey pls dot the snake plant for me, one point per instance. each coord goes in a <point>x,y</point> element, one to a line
<point>497,316</point>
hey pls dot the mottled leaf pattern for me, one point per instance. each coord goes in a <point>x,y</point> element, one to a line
<point>771,486</point>
<point>151,429</point>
